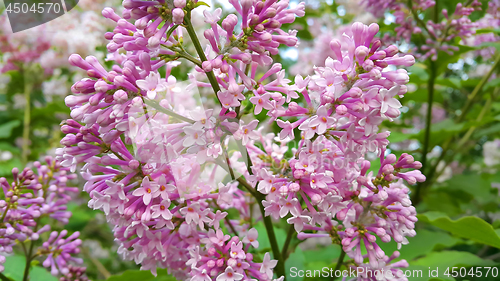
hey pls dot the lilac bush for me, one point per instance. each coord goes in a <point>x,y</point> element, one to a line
<point>168,173</point>
<point>30,205</point>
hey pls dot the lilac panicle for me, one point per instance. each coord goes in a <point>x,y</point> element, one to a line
<point>165,171</point>
<point>30,197</point>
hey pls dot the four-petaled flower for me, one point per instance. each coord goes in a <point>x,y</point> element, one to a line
<point>148,191</point>
<point>152,84</point>
<point>267,265</point>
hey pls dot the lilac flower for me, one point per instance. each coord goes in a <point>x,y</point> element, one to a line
<point>247,132</point>
<point>261,102</point>
<point>152,84</point>
<point>229,275</point>
<point>268,265</point>
<point>148,191</point>
<point>59,251</point>
<point>166,174</point>
<point>251,238</point>
<point>162,210</point>
<point>32,196</point>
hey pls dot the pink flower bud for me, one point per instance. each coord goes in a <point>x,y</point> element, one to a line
<point>341,109</point>
<point>178,16</point>
<point>180,3</point>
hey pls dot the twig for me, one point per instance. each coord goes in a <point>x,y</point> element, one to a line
<point>459,119</point>
<point>289,236</point>
<point>339,264</point>
<point>161,109</point>
<point>27,116</point>
<point>201,53</point>
<point>100,267</point>
<point>428,124</point>
<point>4,278</point>
<point>227,220</point>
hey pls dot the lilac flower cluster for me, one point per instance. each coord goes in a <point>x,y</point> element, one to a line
<point>491,20</point>
<point>437,32</point>
<point>166,172</point>
<point>28,201</point>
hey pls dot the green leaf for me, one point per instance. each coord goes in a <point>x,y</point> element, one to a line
<point>482,192</point>
<point>14,269</point>
<point>329,254</point>
<point>418,73</point>
<point>452,82</point>
<point>492,84</point>
<point>447,259</point>
<point>142,275</point>
<point>398,137</point>
<point>201,3</point>
<point>7,166</point>
<point>420,245</point>
<point>441,131</point>
<point>472,228</point>
<point>295,260</point>
<point>444,59</point>
<point>487,131</point>
<point>487,30</point>
<point>6,128</point>
<point>264,241</point>
<point>496,45</point>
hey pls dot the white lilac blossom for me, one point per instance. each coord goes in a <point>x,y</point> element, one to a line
<point>28,199</point>
<point>166,171</point>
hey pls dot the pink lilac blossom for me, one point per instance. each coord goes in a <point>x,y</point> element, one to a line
<point>165,171</point>
<point>51,43</point>
<point>438,32</point>
<point>30,197</point>
<point>491,20</point>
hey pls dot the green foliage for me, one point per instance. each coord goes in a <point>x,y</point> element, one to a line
<point>14,269</point>
<point>264,241</point>
<point>6,128</point>
<point>458,225</point>
<point>297,260</point>
<point>142,275</point>
<point>469,227</point>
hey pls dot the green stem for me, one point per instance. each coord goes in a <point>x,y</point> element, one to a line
<point>259,197</point>
<point>280,267</point>
<point>29,257</point>
<point>446,146</point>
<point>477,89</point>
<point>3,277</point>
<point>339,264</point>
<point>201,53</point>
<point>224,151</point>
<point>291,232</point>
<point>5,213</point>
<point>100,267</point>
<point>436,12</point>
<point>248,187</point>
<point>428,119</point>
<point>161,109</point>
<point>27,118</point>
<point>427,134</point>
<point>226,219</point>
<point>434,173</point>
<point>418,20</point>
<point>190,58</point>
